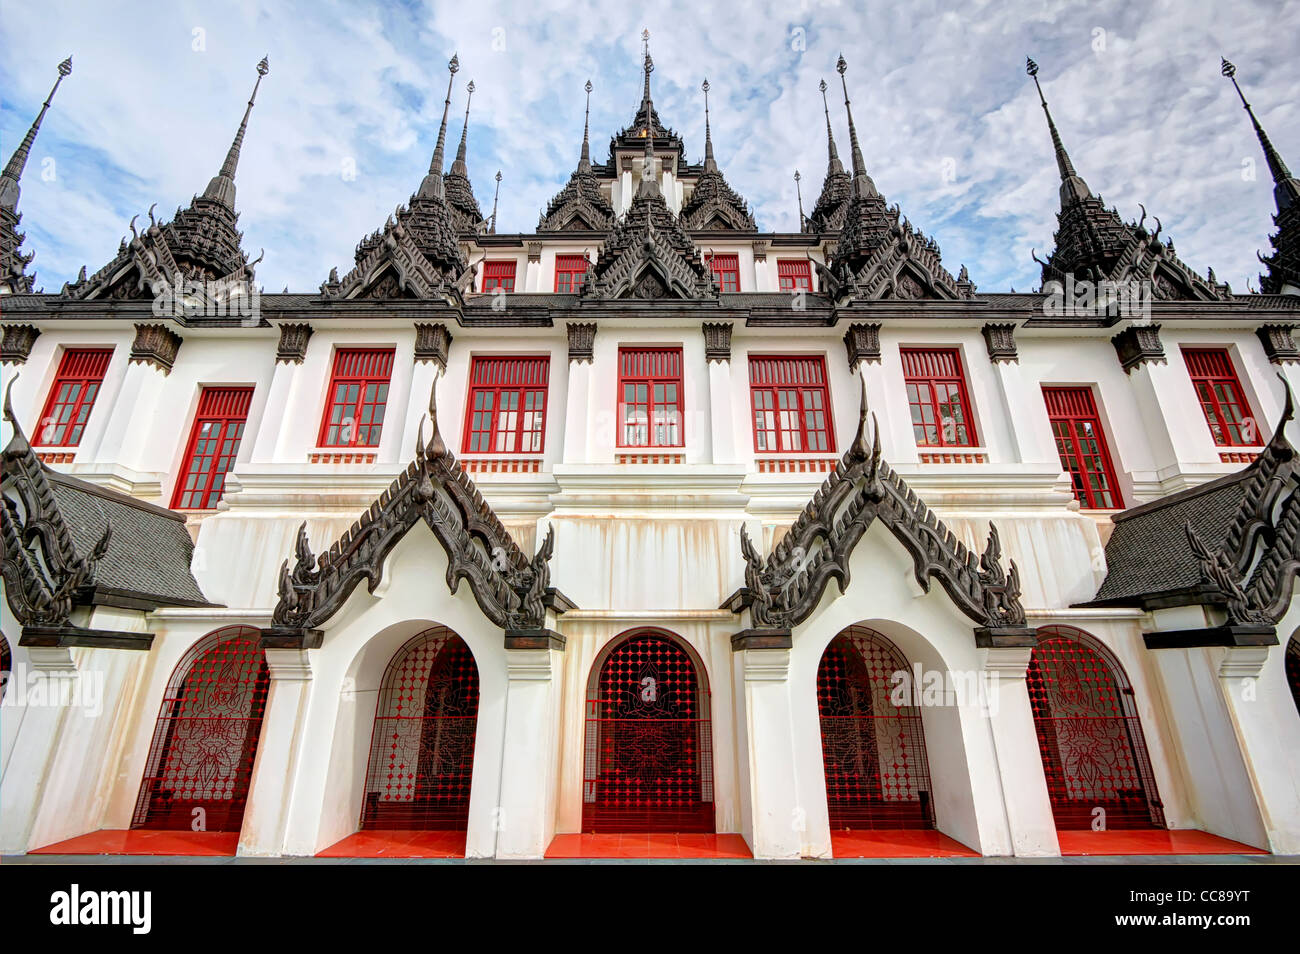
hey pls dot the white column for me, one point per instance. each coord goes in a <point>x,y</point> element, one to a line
<point>723,427</point>
<point>525,815</point>
<point>625,191</point>
<point>1023,407</point>
<point>271,789</point>
<point>127,432</point>
<point>31,736</point>
<point>773,796</point>
<point>577,412</point>
<point>1015,740</point>
<point>1256,719</point>
<point>275,414</point>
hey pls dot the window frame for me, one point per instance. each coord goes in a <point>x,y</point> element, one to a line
<point>1194,356</point>
<point>816,361</point>
<point>800,265</point>
<point>225,405</point>
<point>66,374</point>
<point>731,263</point>
<point>500,265</point>
<point>386,379</point>
<point>1091,415</point>
<point>963,393</point>
<point>577,279</point>
<point>478,362</point>
<point>650,381</point>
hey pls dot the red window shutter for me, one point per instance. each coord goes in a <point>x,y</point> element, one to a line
<point>499,275</point>
<point>213,446</point>
<point>726,269</point>
<point>506,409</point>
<point>1222,400</point>
<point>1082,445</point>
<point>72,396</point>
<point>357,397</point>
<point>791,404</point>
<point>936,394</point>
<point>793,274</point>
<point>650,397</point>
<point>570,273</point>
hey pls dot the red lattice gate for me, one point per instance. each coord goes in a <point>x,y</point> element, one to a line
<point>877,773</point>
<point>649,748</point>
<point>1089,735</point>
<point>201,758</point>
<point>422,751</point>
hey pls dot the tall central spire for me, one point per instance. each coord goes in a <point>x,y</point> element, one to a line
<point>431,187</point>
<point>13,170</point>
<point>648,66</point>
<point>222,186</point>
<point>835,167</point>
<point>584,163</point>
<point>1073,188</point>
<point>459,167</point>
<point>710,164</point>
<point>862,184</point>
<point>1286,188</point>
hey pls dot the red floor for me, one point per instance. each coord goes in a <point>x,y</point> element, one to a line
<point>643,845</point>
<point>1150,842</point>
<point>398,844</point>
<point>897,843</point>
<point>146,842</point>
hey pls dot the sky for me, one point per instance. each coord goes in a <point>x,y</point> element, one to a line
<point>950,125</point>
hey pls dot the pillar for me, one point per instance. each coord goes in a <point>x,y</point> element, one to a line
<point>776,815</point>
<point>525,813</point>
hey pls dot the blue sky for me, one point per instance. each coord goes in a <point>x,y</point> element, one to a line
<point>950,125</point>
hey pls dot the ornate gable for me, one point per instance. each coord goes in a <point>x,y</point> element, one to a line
<point>580,205</point>
<point>650,257</point>
<point>714,205</point>
<point>414,255</point>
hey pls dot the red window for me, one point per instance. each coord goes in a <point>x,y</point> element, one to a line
<point>507,405</point>
<point>792,274</point>
<point>791,404</point>
<point>81,372</point>
<point>726,270</point>
<point>1222,400</point>
<point>570,273</point>
<point>1082,446</point>
<point>650,397</point>
<point>936,392</point>
<point>214,444</point>
<point>357,396</point>
<point>499,275</point>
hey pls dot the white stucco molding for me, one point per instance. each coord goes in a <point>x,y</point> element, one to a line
<point>1243,662</point>
<point>529,665</point>
<point>289,665</point>
<point>1008,662</point>
<point>766,665</point>
<point>51,659</point>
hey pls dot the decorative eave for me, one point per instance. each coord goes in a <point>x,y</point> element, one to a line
<point>1279,345</point>
<point>1138,345</point>
<point>649,257</point>
<point>415,255</point>
<point>784,589</point>
<point>155,345</point>
<point>17,344</point>
<point>881,257</point>
<point>579,206</point>
<point>715,206</point>
<point>512,591</point>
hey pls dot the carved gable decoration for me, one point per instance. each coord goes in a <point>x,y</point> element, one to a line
<point>649,257</point>
<point>715,206</point>
<point>579,206</point>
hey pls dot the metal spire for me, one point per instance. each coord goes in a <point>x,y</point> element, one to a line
<point>710,165</point>
<point>835,167</point>
<point>1073,188</point>
<point>799,192</point>
<point>496,195</point>
<point>862,184</point>
<point>1286,188</point>
<point>584,163</point>
<point>648,65</point>
<point>431,187</point>
<point>13,170</point>
<point>458,168</point>
<point>222,186</point>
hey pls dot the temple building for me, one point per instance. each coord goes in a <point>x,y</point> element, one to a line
<point>649,531</point>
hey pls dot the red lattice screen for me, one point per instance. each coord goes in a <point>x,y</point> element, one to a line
<point>1089,736</point>
<point>1293,669</point>
<point>422,750</point>
<point>205,741</point>
<point>649,748</point>
<point>877,773</point>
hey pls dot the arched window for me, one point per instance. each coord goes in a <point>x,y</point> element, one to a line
<point>422,751</point>
<point>201,759</point>
<point>1293,668</point>
<point>1089,735</point>
<point>877,773</point>
<point>648,759</point>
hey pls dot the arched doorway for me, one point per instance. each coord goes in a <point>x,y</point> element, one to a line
<point>1089,735</point>
<point>1293,668</point>
<point>201,758</point>
<point>648,758</point>
<point>873,751</point>
<point>422,751</point>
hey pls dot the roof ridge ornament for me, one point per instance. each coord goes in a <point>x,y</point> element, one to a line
<point>431,187</point>
<point>458,166</point>
<point>13,169</point>
<point>584,161</point>
<point>1073,188</point>
<point>222,187</point>
<point>862,183</point>
<point>710,164</point>
<point>834,166</point>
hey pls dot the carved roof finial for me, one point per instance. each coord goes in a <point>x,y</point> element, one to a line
<point>835,167</point>
<point>862,184</point>
<point>799,195</point>
<point>710,164</point>
<point>1286,188</point>
<point>584,162</point>
<point>13,170</point>
<point>496,195</point>
<point>1073,188</point>
<point>222,186</point>
<point>458,167</point>
<point>431,187</point>
<point>648,66</point>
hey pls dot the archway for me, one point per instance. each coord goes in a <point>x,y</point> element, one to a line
<point>201,759</point>
<point>422,750</point>
<point>873,751</point>
<point>1293,668</point>
<point>1089,735</point>
<point>648,758</point>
